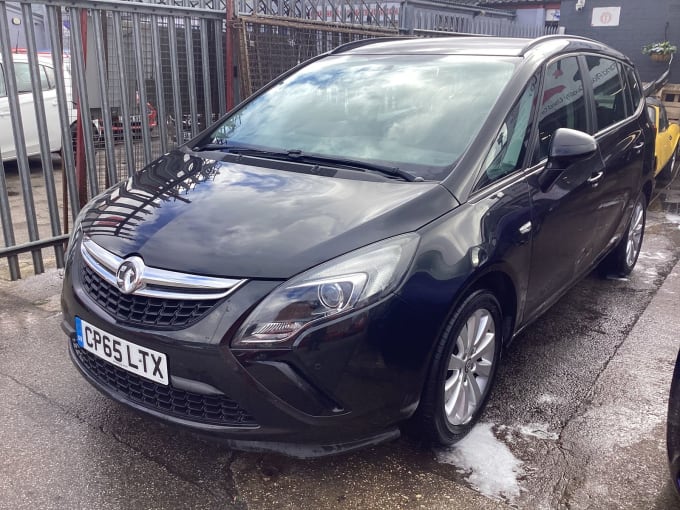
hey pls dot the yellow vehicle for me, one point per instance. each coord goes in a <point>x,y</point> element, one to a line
<point>667,135</point>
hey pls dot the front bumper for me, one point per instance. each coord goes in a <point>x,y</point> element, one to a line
<point>346,384</point>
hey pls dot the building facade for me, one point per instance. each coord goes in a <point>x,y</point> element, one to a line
<point>628,25</point>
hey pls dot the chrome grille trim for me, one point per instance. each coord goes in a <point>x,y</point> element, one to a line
<point>158,283</point>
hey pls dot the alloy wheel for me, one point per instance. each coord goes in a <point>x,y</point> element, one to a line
<point>470,367</point>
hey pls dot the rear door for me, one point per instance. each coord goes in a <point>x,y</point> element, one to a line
<point>27,106</point>
<point>620,135</point>
<point>48,85</point>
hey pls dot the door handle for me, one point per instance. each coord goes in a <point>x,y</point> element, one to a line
<point>595,178</point>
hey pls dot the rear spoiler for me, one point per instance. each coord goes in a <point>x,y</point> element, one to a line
<point>652,88</point>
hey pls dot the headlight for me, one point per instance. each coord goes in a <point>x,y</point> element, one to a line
<point>344,284</point>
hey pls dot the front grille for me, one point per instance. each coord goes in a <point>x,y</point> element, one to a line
<point>212,409</point>
<point>141,310</point>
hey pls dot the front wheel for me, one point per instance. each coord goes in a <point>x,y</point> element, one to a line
<point>622,260</point>
<point>462,372</point>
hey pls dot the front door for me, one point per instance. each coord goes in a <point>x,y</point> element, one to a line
<point>563,213</point>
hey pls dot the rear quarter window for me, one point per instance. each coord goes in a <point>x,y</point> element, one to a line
<point>47,78</point>
<point>634,86</point>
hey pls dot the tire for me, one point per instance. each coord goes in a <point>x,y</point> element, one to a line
<point>622,260</point>
<point>670,171</point>
<point>450,406</point>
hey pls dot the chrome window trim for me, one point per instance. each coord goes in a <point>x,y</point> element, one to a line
<point>158,283</point>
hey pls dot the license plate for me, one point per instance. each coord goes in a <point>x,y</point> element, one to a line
<point>152,365</point>
<point>135,118</point>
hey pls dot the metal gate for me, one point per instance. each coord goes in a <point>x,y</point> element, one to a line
<point>98,91</point>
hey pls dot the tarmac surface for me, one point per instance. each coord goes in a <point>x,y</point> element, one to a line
<point>576,420</point>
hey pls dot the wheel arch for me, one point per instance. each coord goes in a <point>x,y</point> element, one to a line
<point>500,284</point>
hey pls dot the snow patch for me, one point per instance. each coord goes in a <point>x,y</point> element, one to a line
<point>490,466</point>
<point>538,430</point>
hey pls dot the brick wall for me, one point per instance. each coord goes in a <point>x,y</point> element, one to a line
<point>641,22</point>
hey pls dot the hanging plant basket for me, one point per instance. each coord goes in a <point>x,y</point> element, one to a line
<point>660,57</point>
<point>660,51</point>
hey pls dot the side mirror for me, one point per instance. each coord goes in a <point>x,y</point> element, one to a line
<point>569,144</point>
<point>567,147</point>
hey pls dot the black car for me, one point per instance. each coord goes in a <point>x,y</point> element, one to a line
<point>350,249</point>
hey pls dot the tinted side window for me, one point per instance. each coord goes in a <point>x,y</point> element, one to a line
<point>3,91</point>
<point>610,103</point>
<point>634,86</point>
<point>562,104</point>
<point>627,96</point>
<point>46,77</point>
<point>512,140</point>
<point>23,77</point>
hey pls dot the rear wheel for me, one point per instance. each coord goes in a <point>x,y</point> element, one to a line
<point>622,260</point>
<point>462,372</point>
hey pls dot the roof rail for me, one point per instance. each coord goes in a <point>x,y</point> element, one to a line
<point>539,40</point>
<point>365,42</point>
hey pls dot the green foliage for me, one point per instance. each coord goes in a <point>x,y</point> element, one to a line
<point>659,48</point>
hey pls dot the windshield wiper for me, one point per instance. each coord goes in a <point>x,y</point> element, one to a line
<point>392,171</point>
<point>239,149</point>
<point>298,155</point>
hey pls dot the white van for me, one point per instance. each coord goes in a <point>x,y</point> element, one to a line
<point>27,106</point>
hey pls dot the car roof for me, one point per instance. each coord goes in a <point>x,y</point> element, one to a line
<point>475,45</point>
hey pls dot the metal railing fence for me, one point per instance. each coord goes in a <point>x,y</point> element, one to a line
<point>270,46</point>
<point>125,81</point>
<point>366,13</point>
<point>122,83</point>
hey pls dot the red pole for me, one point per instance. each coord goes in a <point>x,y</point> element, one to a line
<point>229,60</point>
<point>81,172</point>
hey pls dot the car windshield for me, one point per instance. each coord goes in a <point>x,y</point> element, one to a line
<point>414,112</point>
